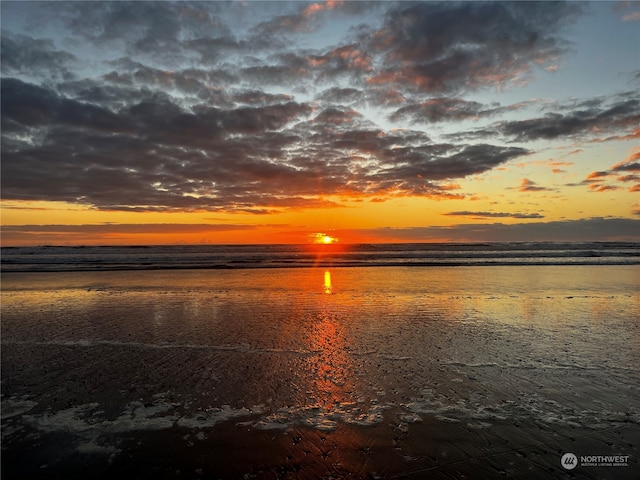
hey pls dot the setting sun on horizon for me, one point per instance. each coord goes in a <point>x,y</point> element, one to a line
<point>254,123</point>
<point>323,238</point>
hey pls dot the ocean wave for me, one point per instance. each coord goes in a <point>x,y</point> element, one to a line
<point>104,258</point>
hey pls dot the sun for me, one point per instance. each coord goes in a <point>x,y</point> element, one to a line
<point>324,239</point>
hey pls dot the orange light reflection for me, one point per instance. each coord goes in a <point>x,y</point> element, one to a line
<point>332,373</point>
<point>328,288</point>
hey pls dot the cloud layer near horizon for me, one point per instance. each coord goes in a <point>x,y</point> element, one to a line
<point>213,106</point>
<point>595,229</point>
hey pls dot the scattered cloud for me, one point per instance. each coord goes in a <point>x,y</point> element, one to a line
<point>629,11</point>
<point>597,175</point>
<point>438,47</point>
<point>527,185</point>
<point>155,154</point>
<point>493,214</point>
<point>22,55</point>
<point>582,120</point>
<point>601,119</point>
<point>621,172</point>
<point>448,109</point>
<point>602,188</point>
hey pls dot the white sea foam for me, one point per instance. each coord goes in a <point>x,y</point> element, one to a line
<point>527,407</point>
<point>89,426</point>
<point>95,433</point>
<point>93,448</point>
<point>323,417</point>
<point>15,406</point>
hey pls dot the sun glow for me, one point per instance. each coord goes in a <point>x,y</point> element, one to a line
<point>323,238</point>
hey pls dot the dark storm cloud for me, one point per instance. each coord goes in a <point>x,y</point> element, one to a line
<point>337,116</point>
<point>22,54</point>
<point>28,106</point>
<point>437,110</point>
<point>590,118</point>
<point>274,74</point>
<point>258,97</point>
<point>447,46</point>
<point>583,119</point>
<point>341,61</point>
<point>157,155</point>
<point>213,50</point>
<point>142,27</point>
<point>200,85</point>
<point>150,155</point>
<point>458,163</point>
<point>155,119</point>
<point>341,95</point>
<point>448,109</point>
<point>305,17</point>
<point>182,112</point>
<point>282,25</point>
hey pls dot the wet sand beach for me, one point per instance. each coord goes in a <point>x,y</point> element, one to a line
<point>377,372</point>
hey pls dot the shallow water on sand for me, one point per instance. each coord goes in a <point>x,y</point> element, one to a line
<point>310,372</point>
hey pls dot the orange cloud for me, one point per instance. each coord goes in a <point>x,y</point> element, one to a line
<point>527,185</point>
<point>602,188</point>
<point>627,163</point>
<point>635,134</point>
<point>593,175</point>
<point>318,7</point>
<point>628,178</point>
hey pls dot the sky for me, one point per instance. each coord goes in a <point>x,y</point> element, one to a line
<point>284,122</point>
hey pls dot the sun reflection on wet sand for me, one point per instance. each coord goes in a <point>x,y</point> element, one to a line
<point>331,368</point>
<point>328,288</point>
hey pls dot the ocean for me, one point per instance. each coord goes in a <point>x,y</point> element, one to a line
<point>49,258</point>
<point>310,362</point>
